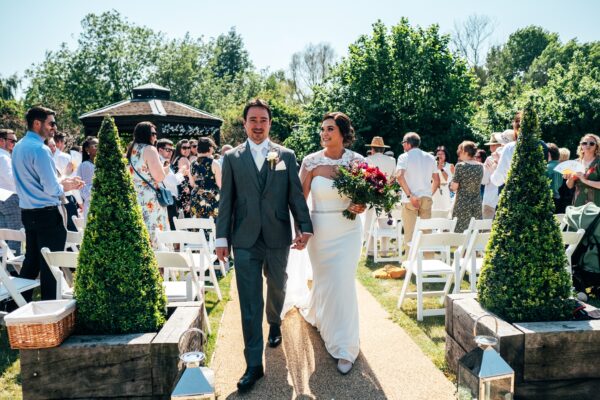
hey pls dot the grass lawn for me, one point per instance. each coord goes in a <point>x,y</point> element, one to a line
<point>10,368</point>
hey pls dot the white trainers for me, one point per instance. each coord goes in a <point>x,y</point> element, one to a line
<point>344,366</point>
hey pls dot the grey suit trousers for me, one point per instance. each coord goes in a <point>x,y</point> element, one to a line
<point>250,263</point>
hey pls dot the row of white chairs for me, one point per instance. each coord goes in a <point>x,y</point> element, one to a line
<point>469,248</point>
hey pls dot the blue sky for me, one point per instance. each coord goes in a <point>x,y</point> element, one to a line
<point>274,30</point>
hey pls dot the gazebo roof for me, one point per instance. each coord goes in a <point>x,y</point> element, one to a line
<point>150,100</point>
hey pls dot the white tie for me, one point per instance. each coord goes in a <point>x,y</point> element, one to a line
<point>259,158</point>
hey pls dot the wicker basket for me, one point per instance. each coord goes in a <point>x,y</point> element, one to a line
<point>41,324</point>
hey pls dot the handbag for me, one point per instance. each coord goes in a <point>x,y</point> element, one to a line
<point>163,195</point>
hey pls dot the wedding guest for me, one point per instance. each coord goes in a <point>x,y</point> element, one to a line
<point>86,171</point>
<point>10,213</point>
<point>64,165</point>
<point>172,180</point>
<point>416,173</point>
<point>148,172</point>
<point>445,170</point>
<point>387,165</point>
<point>205,181</point>
<point>224,149</point>
<point>481,156</point>
<point>556,179</point>
<point>586,184</point>
<point>466,183</point>
<point>193,150</point>
<point>181,163</point>
<point>566,193</point>
<point>41,195</point>
<point>490,191</point>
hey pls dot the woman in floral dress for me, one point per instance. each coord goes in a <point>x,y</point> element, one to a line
<point>206,181</point>
<point>466,183</point>
<point>144,158</point>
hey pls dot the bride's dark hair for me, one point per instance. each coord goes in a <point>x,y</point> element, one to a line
<point>344,124</point>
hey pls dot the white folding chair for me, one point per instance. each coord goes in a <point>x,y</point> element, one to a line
<point>12,287</point>
<point>380,231</point>
<point>74,240</point>
<point>562,221</point>
<point>189,289</point>
<point>61,263</point>
<point>480,225</point>
<point>436,225</point>
<point>203,260</point>
<point>8,257</point>
<point>205,225</point>
<point>431,270</point>
<point>472,260</point>
<point>438,213</point>
<point>571,241</point>
<point>79,222</point>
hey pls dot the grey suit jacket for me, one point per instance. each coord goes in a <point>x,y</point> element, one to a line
<point>245,210</point>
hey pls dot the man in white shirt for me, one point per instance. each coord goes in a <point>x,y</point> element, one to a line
<point>498,168</point>
<point>387,165</point>
<point>224,149</point>
<point>417,175</point>
<point>10,213</point>
<point>490,192</point>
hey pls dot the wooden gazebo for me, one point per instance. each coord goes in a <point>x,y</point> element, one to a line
<point>151,102</point>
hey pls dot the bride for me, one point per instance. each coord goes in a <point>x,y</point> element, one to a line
<point>335,249</point>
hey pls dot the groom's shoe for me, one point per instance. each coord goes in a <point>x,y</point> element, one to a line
<point>274,336</point>
<point>249,378</point>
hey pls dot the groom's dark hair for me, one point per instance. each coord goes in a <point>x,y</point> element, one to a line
<point>257,103</point>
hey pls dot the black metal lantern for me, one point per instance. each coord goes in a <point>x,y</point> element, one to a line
<point>482,373</point>
<point>196,382</point>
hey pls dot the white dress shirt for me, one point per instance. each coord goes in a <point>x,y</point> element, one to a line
<point>259,152</point>
<point>498,177</point>
<point>419,167</point>
<point>61,160</point>
<point>7,179</point>
<point>490,192</point>
<point>386,164</point>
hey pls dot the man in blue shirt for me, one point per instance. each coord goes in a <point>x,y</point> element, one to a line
<point>41,195</point>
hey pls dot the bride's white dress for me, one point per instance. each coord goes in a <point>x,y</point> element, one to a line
<point>334,251</point>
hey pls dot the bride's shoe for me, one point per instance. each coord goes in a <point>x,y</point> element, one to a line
<point>344,366</point>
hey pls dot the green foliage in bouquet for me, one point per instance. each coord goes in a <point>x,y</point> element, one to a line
<point>524,275</point>
<point>117,285</point>
<point>365,184</point>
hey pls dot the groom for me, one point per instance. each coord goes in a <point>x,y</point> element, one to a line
<point>260,185</point>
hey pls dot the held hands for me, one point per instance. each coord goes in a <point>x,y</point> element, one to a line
<point>301,241</point>
<point>357,208</point>
<point>73,183</point>
<point>222,253</point>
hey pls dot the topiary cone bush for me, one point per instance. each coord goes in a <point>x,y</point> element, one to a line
<point>117,285</point>
<point>523,277</point>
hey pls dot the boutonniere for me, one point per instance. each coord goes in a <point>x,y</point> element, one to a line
<point>272,158</point>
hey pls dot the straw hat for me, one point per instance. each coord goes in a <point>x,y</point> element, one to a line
<point>377,142</point>
<point>492,140</point>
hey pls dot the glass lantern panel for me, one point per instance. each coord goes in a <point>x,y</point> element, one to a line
<point>468,384</point>
<point>497,388</point>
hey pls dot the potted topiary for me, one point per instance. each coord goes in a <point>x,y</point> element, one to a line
<point>121,350</point>
<point>523,277</point>
<point>524,282</point>
<point>117,286</point>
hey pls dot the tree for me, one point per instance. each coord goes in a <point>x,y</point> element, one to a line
<point>229,58</point>
<point>310,67</point>
<point>523,277</point>
<point>9,86</point>
<point>469,38</point>
<point>117,285</point>
<point>399,80</point>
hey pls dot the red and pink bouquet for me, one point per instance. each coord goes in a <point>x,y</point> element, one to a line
<point>367,185</point>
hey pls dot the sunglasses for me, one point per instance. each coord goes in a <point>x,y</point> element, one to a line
<point>53,124</point>
<point>587,144</point>
<point>13,141</point>
<point>167,150</point>
<point>185,147</point>
<point>194,146</point>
